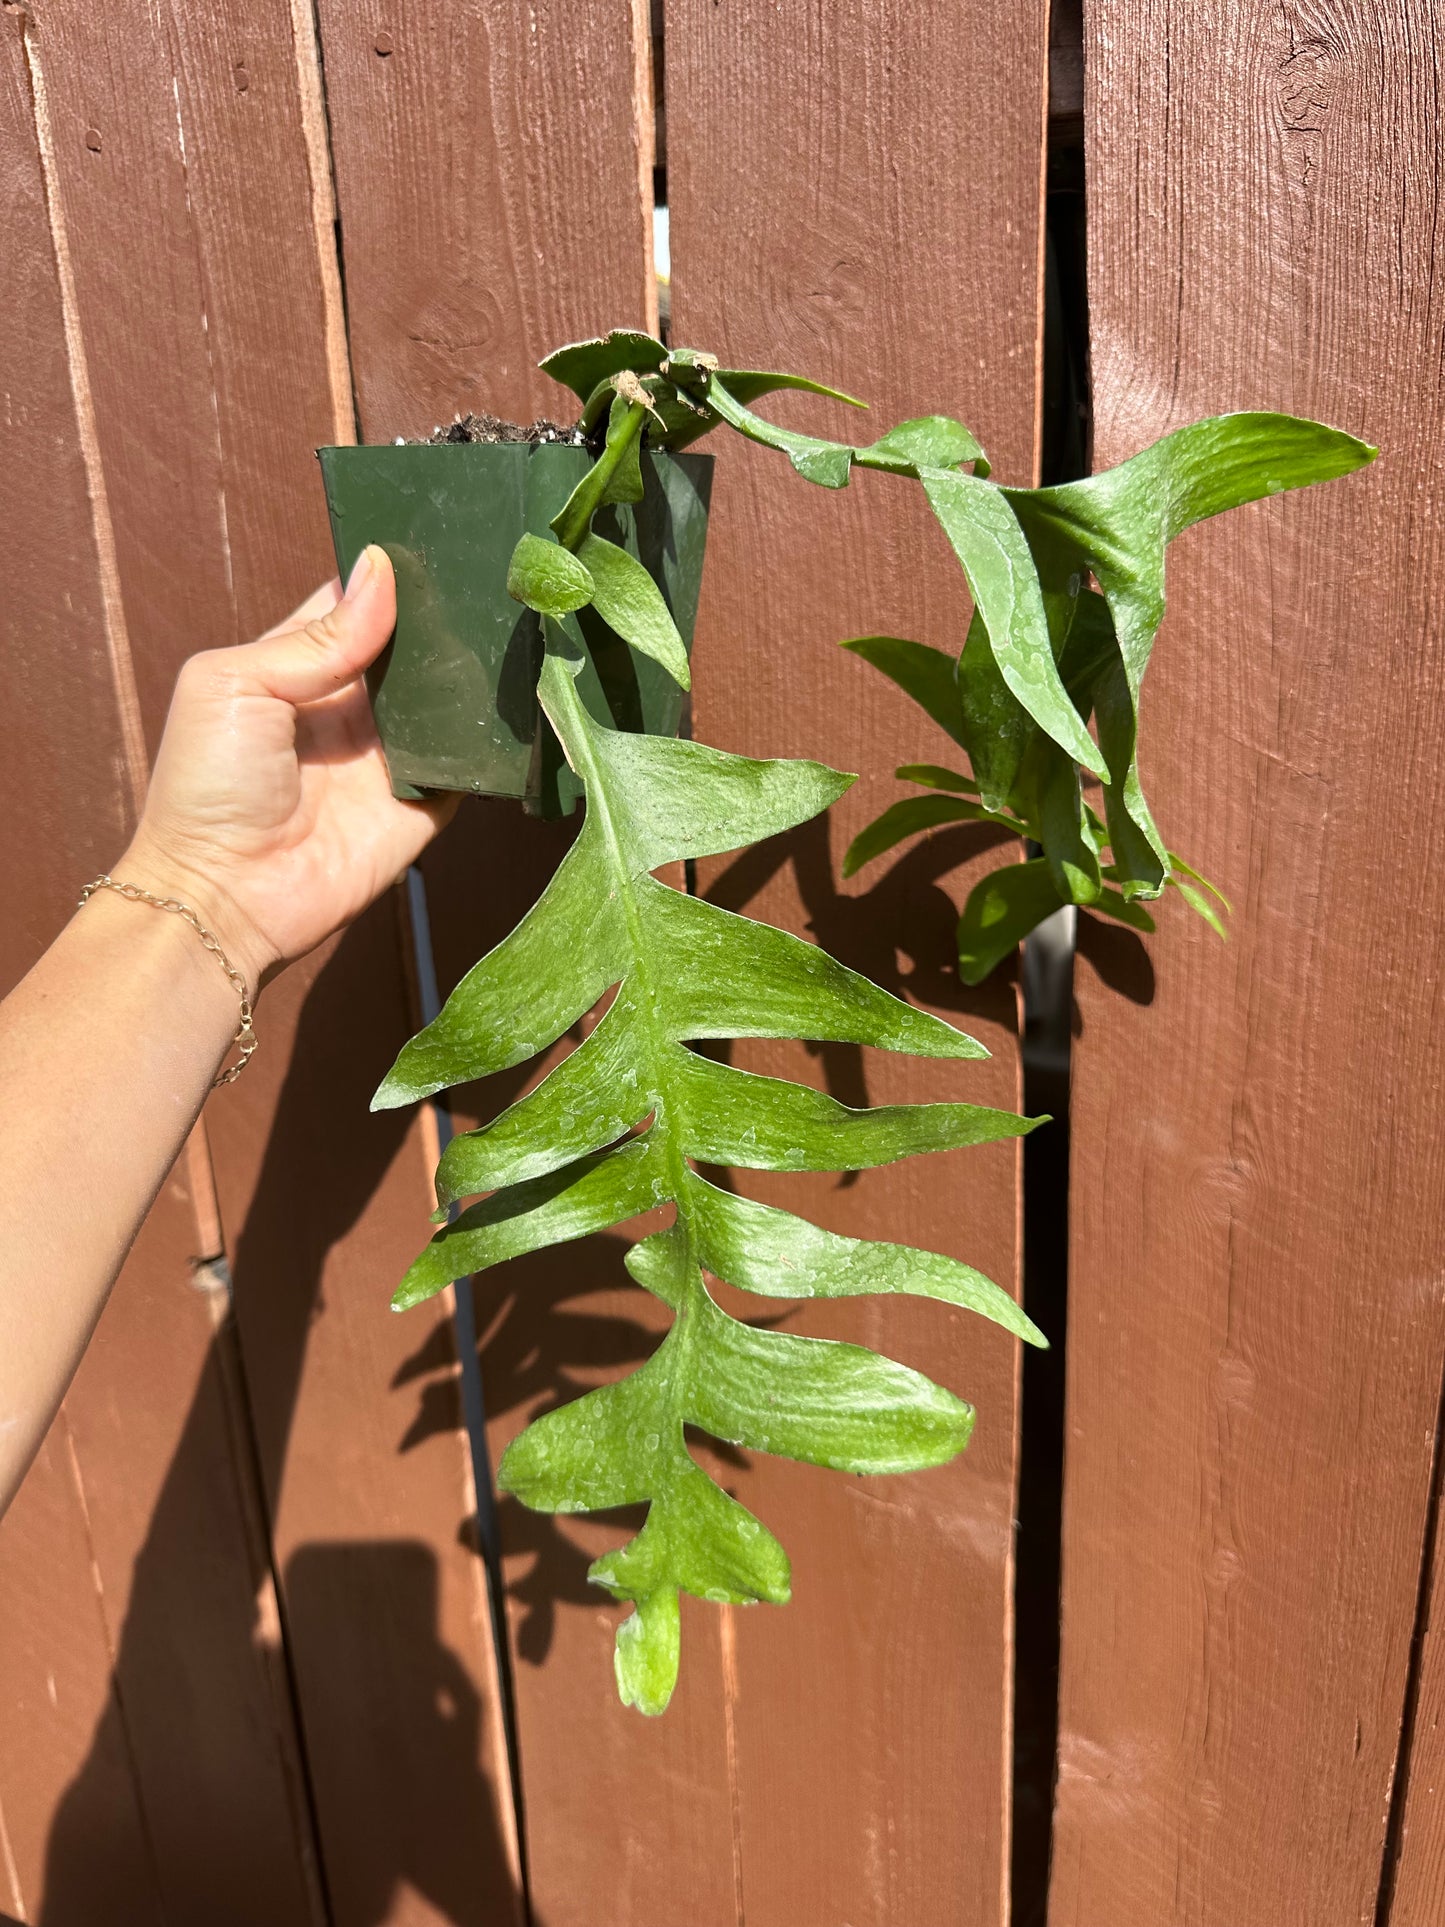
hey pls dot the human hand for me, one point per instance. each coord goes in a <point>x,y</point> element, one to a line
<point>270,810</point>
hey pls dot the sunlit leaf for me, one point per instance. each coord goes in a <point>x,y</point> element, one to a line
<point>1187,869</point>
<point>986,537</point>
<point>683,421</point>
<point>827,463</point>
<point>583,366</point>
<point>547,577</point>
<point>1118,524</point>
<point>929,441</point>
<point>620,1126</point>
<point>1025,750</point>
<point>616,475</point>
<point>761,1249</point>
<point>1201,905</point>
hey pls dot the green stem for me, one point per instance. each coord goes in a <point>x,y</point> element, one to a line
<point>568,716</point>
<point>572,524</point>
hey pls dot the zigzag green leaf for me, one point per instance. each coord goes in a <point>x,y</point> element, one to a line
<point>733,977</point>
<point>824,1403</point>
<point>615,1130</point>
<point>1114,527</point>
<point>762,1249</point>
<point>591,1195</point>
<point>765,1123</point>
<point>986,537</point>
<point>1118,525</point>
<point>524,994</point>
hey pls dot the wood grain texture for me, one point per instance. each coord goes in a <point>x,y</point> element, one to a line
<point>841,207</point>
<point>188,175</point>
<point>487,174</point>
<point>55,1675</point>
<point>57,695</point>
<point>362,1458</point>
<point>147,1784</point>
<point>1256,1300</point>
<point>488,169</point>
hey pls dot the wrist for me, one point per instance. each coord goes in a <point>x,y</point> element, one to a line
<point>165,874</point>
<point>153,961</point>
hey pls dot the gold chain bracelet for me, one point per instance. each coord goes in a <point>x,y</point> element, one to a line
<point>245,1039</point>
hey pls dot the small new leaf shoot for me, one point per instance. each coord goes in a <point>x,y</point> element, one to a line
<point>548,578</point>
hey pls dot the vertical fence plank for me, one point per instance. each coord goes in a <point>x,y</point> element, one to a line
<point>358,1432</point>
<point>52,573</point>
<point>54,696</point>
<point>137,1784</point>
<point>196,195</point>
<point>1255,1325</point>
<point>490,166</point>
<point>841,206</point>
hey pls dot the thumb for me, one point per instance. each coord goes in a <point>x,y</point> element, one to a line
<point>322,655</point>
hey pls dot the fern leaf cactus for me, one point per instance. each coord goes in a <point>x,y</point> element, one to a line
<point>621,1126</point>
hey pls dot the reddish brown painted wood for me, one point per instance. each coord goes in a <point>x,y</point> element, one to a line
<point>52,575</point>
<point>488,169</point>
<point>841,205</point>
<point>193,216</point>
<point>362,1456</point>
<point>1256,1325</point>
<point>113,1761</point>
<point>488,188</point>
<point>59,1713</point>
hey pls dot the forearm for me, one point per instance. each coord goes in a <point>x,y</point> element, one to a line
<point>107,1051</point>
<point>269,811</point>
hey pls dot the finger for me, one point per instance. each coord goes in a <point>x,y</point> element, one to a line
<point>329,650</point>
<point>409,828</point>
<point>428,816</point>
<point>316,604</point>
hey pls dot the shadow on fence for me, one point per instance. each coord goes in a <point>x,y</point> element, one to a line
<point>362,1603</point>
<point>351,1610</point>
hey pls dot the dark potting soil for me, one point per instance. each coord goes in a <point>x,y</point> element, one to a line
<point>491,428</point>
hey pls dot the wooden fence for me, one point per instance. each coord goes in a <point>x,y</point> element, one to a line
<point>249,1668</point>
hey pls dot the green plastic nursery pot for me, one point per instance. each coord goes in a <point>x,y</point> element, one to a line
<point>455,692</point>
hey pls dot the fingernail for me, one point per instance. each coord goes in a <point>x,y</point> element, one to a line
<point>361,573</point>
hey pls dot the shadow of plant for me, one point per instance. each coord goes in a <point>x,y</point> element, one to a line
<point>1119,958</point>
